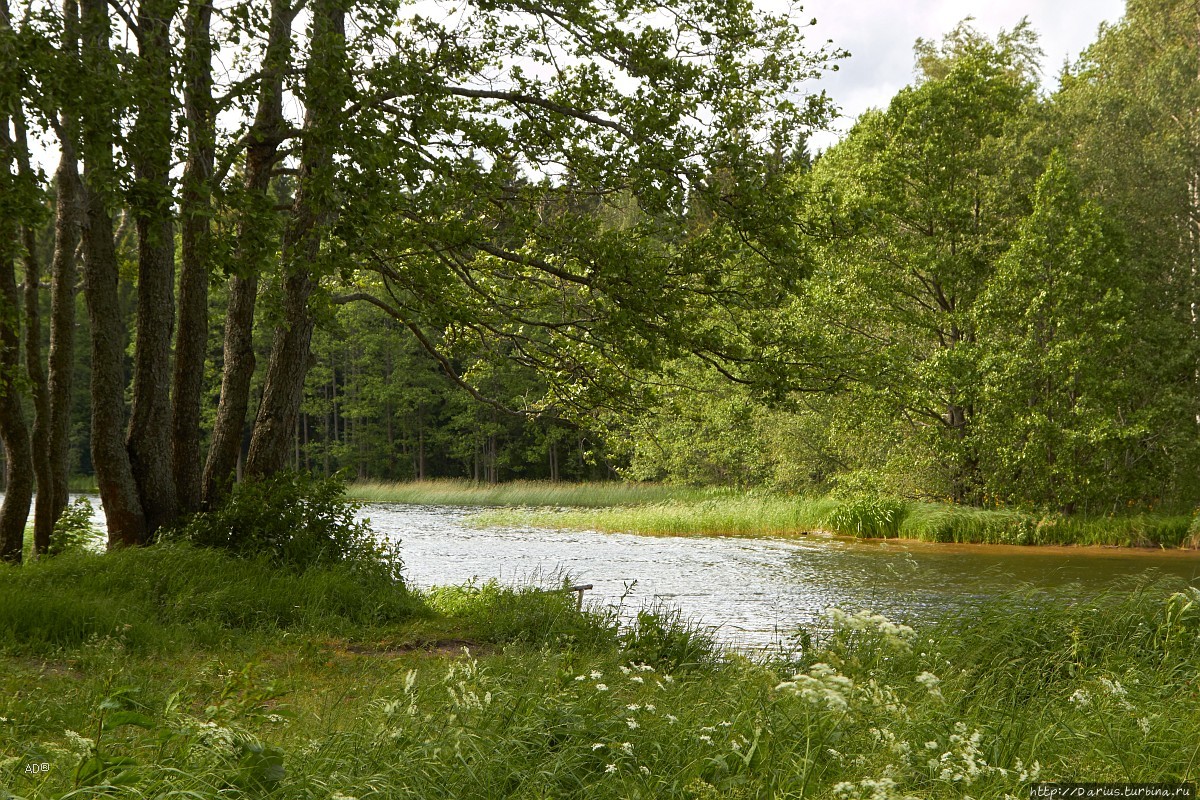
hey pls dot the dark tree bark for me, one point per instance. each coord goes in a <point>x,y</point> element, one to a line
<point>114,475</point>
<point>67,225</point>
<point>14,436</point>
<point>149,436</point>
<point>43,516</point>
<point>191,342</point>
<point>326,91</point>
<point>254,249</point>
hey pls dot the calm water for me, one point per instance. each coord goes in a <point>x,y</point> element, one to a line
<point>755,590</point>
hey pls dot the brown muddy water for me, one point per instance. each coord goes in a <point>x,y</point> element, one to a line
<point>757,592</point>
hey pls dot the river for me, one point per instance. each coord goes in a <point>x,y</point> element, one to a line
<point>755,592</point>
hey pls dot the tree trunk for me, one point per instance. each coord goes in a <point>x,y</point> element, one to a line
<point>191,343</point>
<point>68,222</point>
<point>149,435</point>
<point>254,249</point>
<point>18,475</point>
<point>43,517</point>
<point>114,475</point>
<point>313,210</point>
<point>63,276</point>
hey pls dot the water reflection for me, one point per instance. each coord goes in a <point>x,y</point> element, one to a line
<point>755,590</point>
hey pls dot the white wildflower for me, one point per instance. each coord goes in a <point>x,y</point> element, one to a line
<point>626,747</point>
<point>600,687</point>
<point>672,719</point>
<point>868,789</point>
<point>625,670</point>
<point>1081,698</point>
<point>598,746</point>
<point>704,737</point>
<point>581,677</point>
<point>894,634</point>
<point>643,668</point>
<point>632,723</point>
<point>595,675</point>
<point>638,679</point>
<point>611,768</point>
<point>1144,724</point>
<point>644,769</point>
<point>78,743</point>
<point>822,687</point>
<point>651,707</point>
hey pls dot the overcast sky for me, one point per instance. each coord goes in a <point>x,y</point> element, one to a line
<point>880,34</point>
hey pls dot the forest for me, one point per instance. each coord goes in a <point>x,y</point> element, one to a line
<point>588,242</point>
<point>580,261</point>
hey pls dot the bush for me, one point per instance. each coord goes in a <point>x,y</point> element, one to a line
<point>74,529</point>
<point>295,520</point>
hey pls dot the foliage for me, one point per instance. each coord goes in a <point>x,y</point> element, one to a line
<point>74,529</point>
<point>293,519</point>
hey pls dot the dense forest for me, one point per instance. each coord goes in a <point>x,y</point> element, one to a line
<point>565,241</point>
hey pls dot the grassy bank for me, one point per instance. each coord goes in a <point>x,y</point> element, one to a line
<point>525,493</point>
<point>193,684</point>
<point>931,522</point>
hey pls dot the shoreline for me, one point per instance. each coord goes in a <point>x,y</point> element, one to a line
<point>657,510</point>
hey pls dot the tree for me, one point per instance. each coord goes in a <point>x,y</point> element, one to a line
<point>919,206</point>
<point>1064,417</point>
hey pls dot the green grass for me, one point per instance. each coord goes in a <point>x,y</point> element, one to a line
<point>773,515</point>
<point>416,703</point>
<point>524,493</point>
<point>82,484</point>
<point>732,516</point>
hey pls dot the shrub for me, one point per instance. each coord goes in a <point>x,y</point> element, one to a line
<point>295,520</point>
<point>74,529</point>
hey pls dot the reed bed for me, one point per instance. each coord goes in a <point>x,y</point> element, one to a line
<point>525,493</point>
<point>776,515</point>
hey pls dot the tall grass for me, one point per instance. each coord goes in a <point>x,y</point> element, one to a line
<point>732,516</point>
<point>980,703</point>
<point>524,493</point>
<point>774,515</point>
<point>155,597</point>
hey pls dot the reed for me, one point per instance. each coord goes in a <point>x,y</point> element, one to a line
<point>524,493</point>
<point>776,515</point>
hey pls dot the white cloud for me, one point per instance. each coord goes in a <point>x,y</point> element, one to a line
<point>880,35</point>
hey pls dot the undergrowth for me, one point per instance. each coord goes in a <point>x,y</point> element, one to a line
<point>981,703</point>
